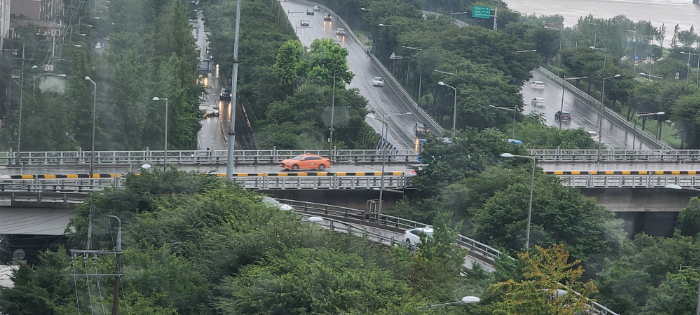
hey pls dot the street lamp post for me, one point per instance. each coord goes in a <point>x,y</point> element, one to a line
<point>649,75</point>
<point>635,47</point>
<point>165,151</point>
<point>697,71</point>
<point>420,75</point>
<point>385,126</point>
<point>514,109</point>
<point>634,132</point>
<point>602,113</point>
<point>21,93</point>
<point>605,60</point>
<point>563,90</point>
<point>234,96</point>
<point>561,34</point>
<point>44,74</point>
<point>454,111</point>
<point>532,188</point>
<point>330,140</point>
<point>464,300</point>
<point>94,113</point>
<point>595,33</point>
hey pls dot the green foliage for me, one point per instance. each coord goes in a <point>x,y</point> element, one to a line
<point>534,134</point>
<point>677,295</point>
<point>689,218</point>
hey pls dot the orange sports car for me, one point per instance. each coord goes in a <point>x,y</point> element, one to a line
<point>306,161</point>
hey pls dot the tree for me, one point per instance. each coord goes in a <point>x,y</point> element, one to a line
<point>537,293</point>
<point>689,218</point>
<point>676,296</point>
<point>289,64</point>
<point>327,59</point>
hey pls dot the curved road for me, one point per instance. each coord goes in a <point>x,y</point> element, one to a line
<point>582,114</point>
<point>382,100</point>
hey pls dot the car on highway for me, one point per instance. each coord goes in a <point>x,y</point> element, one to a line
<point>212,111</point>
<point>337,41</point>
<point>412,236</point>
<point>225,94</point>
<point>421,131</point>
<point>306,161</point>
<point>563,116</point>
<point>274,203</point>
<point>538,101</point>
<point>309,12</point>
<point>304,23</point>
<point>340,31</point>
<point>593,134</point>
<point>378,81</point>
<point>537,85</point>
<point>327,17</point>
<point>317,8</point>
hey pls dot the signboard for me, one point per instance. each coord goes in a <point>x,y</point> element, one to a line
<point>481,12</point>
<point>678,75</point>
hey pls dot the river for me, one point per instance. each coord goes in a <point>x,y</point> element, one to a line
<point>670,12</point>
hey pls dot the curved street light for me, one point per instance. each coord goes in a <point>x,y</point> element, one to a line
<point>532,188</point>
<point>464,300</point>
<point>602,113</point>
<point>330,140</point>
<point>454,111</point>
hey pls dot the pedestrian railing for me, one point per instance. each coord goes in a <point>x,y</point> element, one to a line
<point>200,156</point>
<point>582,155</point>
<point>611,115</point>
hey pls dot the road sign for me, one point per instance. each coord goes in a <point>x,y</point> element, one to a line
<point>636,57</point>
<point>395,57</point>
<point>678,75</point>
<point>481,12</point>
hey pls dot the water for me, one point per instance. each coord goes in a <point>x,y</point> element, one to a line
<point>671,12</point>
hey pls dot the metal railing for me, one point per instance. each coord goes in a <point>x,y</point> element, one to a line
<point>609,114</point>
<point>628,181</point>
<point>200,156</point>
<point>583,155</point>
<point>481,249</point>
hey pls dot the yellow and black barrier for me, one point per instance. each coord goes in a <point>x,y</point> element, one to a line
<point>285,174</point>
<point>623,172</point>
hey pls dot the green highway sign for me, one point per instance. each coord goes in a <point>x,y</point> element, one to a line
<point>481,12</point>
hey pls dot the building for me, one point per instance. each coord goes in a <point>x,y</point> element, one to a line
<point>36,9</point>
<point>4,20</point>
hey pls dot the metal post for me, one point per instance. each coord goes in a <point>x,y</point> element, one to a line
<point>697,306</point>
<point>330,140</point>
<point>165,154</point>
<point>600,118</point>
<point>697,72</point>
<point>563,90</point>
<point>634,132</point>
<point>234,82</point>
<point>529,210</point>
<point>688,75</point>
<point>94,113</point>
<point>454,115</point>
<point>420,80</point>
<point>381,190</point>
<point>515,111</point>
<point>19,131</point>
<point>115,300</point>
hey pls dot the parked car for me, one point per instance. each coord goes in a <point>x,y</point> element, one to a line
<point>538,101</point>
<point>340,31</point>
<point>317,8</point>
<point>309,12</point>
<point>327,17</point>
<point>421,131</point>
<point>537,85</point>
<point>412,236</point>
<point>274,203</point>
<point>564,116</point>
<point>378,81</point>
<point>306,161</point>
<point>225,94</point>
<point>304,22</point>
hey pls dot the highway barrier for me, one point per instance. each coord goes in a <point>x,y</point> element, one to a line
<point>631,156</point>
<point>623,172</point>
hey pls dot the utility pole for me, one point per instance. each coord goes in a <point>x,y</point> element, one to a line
<point>21,94</point>
<point>234,83</point>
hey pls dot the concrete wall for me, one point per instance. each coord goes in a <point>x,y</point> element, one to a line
<point>641,199</point>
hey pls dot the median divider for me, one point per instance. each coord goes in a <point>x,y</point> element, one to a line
<point>623,172</point>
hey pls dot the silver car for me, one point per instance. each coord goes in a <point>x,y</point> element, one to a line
<point>412,236</point>
<point>378,81</point>
<point>274,203</point>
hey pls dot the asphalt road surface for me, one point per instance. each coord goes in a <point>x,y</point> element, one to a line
<point>582,114</point>
<point>382,100</point>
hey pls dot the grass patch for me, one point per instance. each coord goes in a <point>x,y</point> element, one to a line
<point>668,133</point>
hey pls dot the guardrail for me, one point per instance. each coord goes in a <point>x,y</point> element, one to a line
<point>201,156</point>
<point>628,181</point>
<point>610,114</point>
<point>348,31</point>
<point>581,155</point>
<point>481,249</point>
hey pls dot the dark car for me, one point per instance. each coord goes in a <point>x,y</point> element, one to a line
<point>564,116</point>
<point>309,12</point>
<point>225,94</point>
<point>421,131</point>
<point>327,17</point>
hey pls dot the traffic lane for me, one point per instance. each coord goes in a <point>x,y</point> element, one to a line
<point>618,166</point>
<point>583,114</point>
<point>205,168</point>
<point>381,100</point>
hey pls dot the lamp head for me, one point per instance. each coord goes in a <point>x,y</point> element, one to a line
<point>315,219</point>
<point>87,78</point>
<point>507,155</point>
<point>441,83</point>
<point>616,76</point>
<point>672,186</point>
<point>156,99</point>
<point>61,75</point>
<point>470,299</point>
<point>409,113</point>
<point>661,113</point>
<point>642,73</point>
<point>34,67</point>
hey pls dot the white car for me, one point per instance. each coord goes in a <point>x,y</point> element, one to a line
<point>317,8</point>
<point>537,85</point>
<point>274,203</point>
<point>304,23</point>
<point>212,110</point>
<point>593,134</point>
<point>538,101</point>
<point>378,81</point>
<point>412,236</point>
